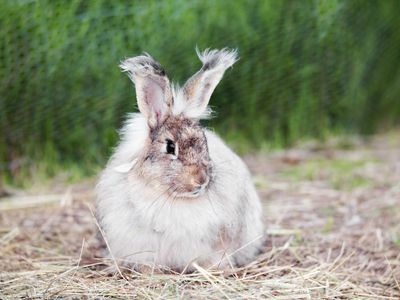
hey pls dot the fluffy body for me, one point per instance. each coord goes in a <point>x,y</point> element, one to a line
<point>147,203</point>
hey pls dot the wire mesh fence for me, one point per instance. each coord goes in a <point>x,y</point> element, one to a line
<point>307,68</point>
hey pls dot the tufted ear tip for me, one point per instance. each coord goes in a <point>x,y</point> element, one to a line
<point>142,65</point>
<point>213,59</point>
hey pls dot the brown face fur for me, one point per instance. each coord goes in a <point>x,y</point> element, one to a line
<point>185,174</point>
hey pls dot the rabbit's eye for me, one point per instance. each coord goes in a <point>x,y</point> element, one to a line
<point>170,147</point>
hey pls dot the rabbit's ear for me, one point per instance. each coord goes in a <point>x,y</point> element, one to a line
<point>153,91</point>
<point>198,89</point>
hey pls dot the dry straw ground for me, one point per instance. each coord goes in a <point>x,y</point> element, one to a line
<point>333,216</point>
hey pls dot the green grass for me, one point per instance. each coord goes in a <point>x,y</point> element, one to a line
<point>341,174</point>
<point>44,173</point>
<point>307,69</point>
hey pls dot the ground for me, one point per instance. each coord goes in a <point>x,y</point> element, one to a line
<point>332,214</point>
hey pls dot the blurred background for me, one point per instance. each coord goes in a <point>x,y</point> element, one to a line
<point>308,70</point>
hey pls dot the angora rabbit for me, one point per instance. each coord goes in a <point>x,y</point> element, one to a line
<point>173,194</point>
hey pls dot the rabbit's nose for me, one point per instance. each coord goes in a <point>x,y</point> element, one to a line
<point>202,178</point>
<point>199,180</point>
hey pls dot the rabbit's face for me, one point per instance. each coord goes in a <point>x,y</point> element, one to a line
<point>177,161</point>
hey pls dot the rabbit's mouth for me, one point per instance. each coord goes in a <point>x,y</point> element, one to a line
<point>194,192</point>
<point>197,192</point>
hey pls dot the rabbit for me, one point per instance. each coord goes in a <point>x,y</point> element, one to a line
<point>173,194</point>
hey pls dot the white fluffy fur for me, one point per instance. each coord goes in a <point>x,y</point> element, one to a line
<point>143,228</point>
<point>176,233</point>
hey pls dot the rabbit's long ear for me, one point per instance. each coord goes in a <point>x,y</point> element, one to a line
<point>198,89</point>
<point>153,91</point>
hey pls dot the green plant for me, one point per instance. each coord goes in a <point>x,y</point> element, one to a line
<point>308,68</point>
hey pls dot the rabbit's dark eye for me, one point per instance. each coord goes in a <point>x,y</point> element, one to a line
<point>170,147</point>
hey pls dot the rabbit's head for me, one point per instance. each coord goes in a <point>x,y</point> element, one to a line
<point>175,159</point>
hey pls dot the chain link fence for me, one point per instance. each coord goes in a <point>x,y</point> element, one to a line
<point>307,69</point>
